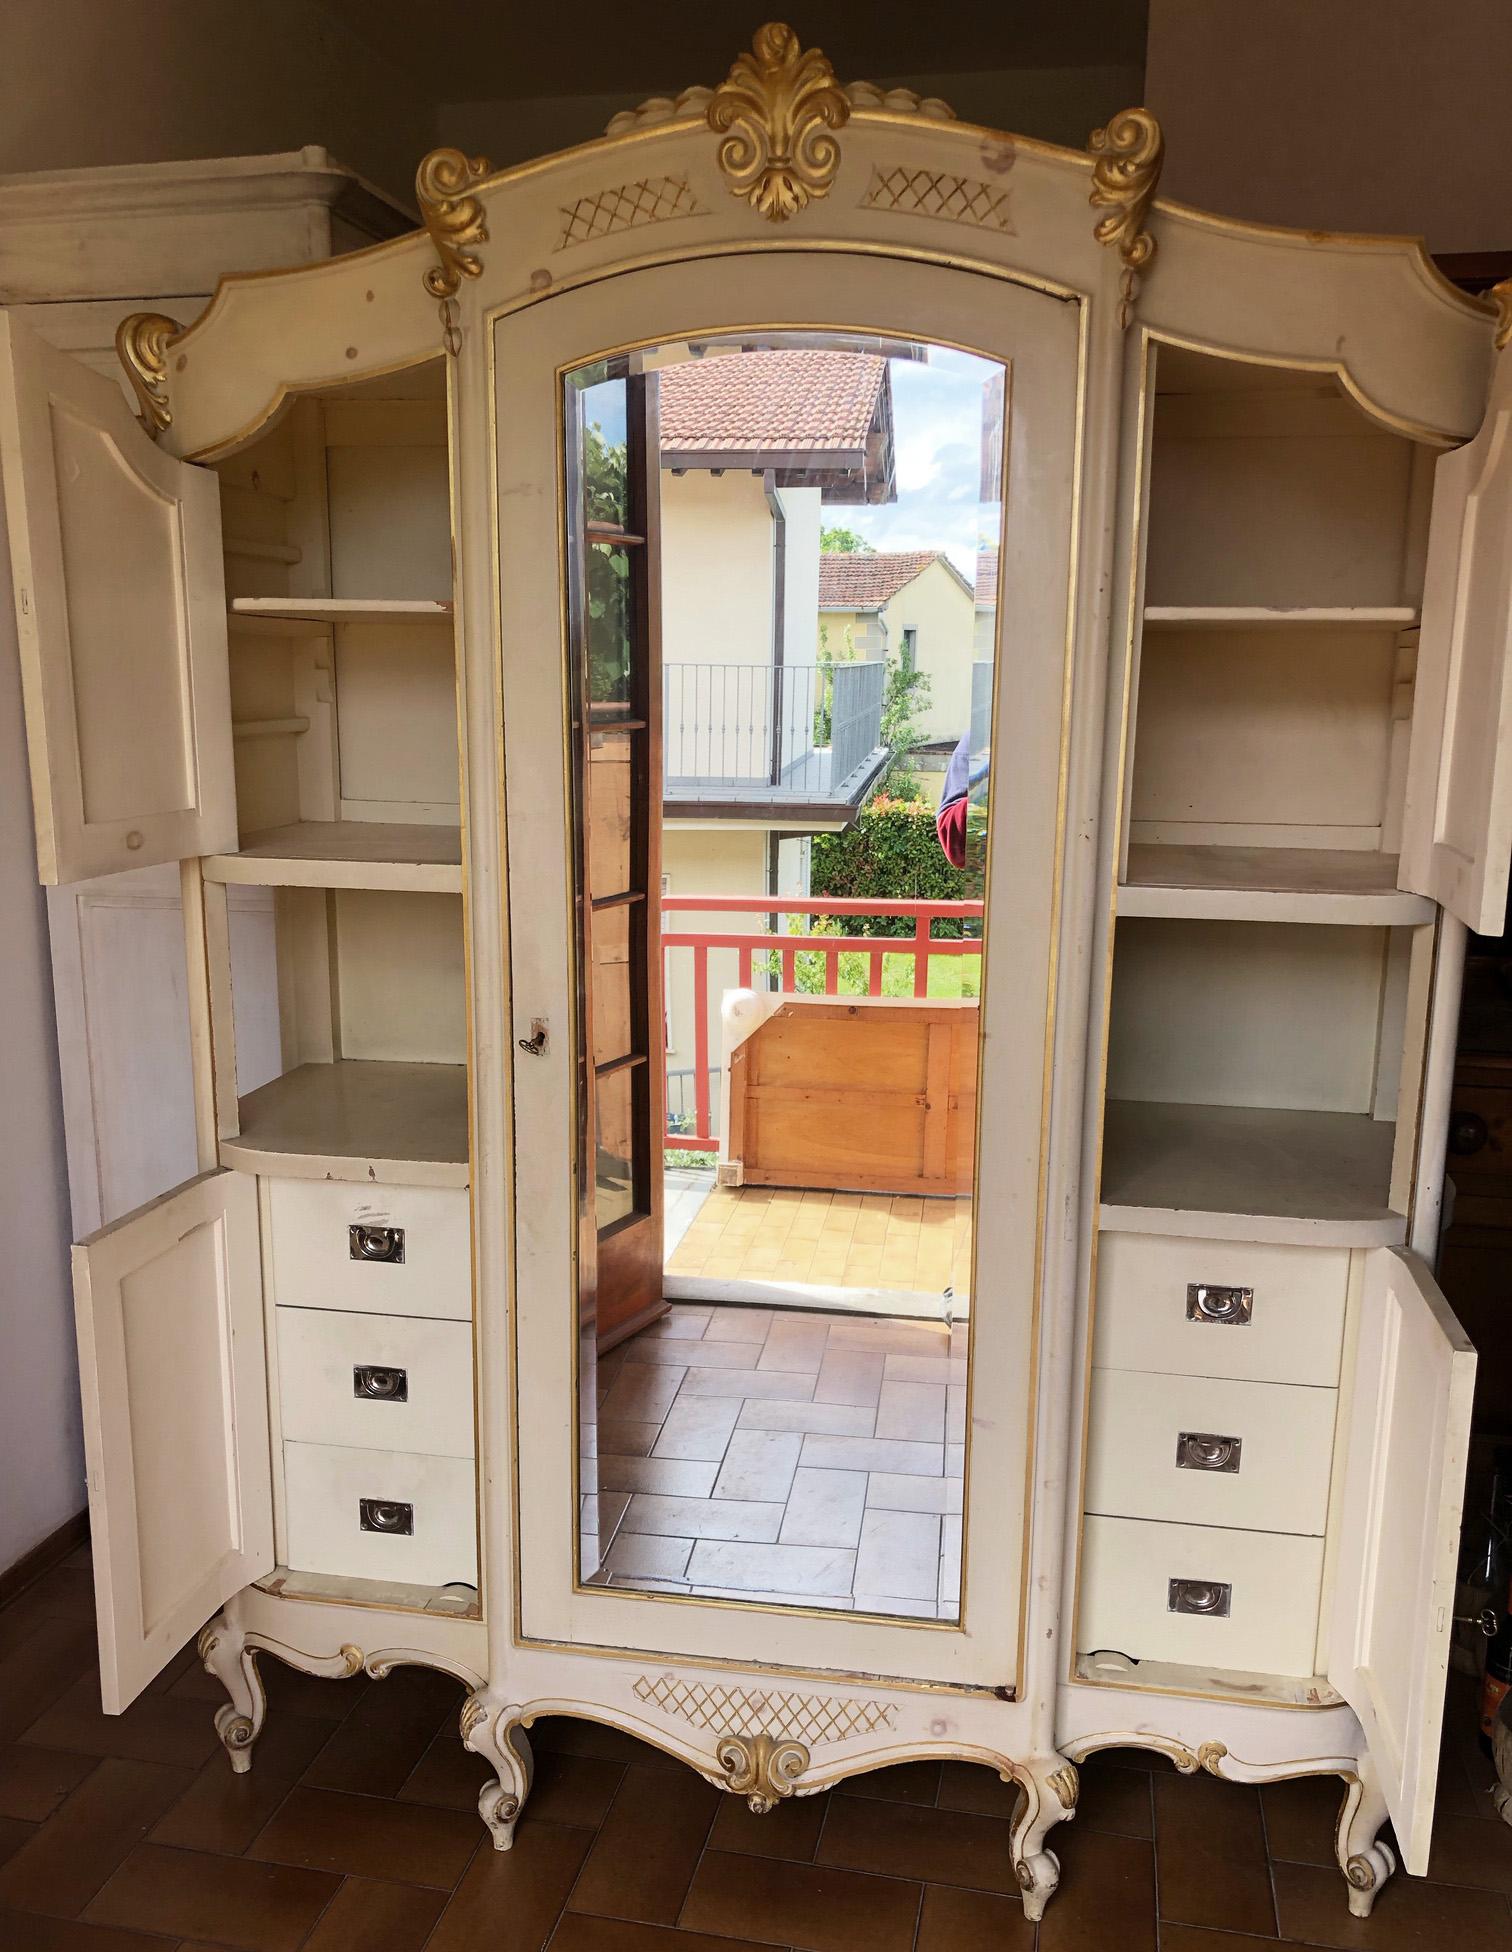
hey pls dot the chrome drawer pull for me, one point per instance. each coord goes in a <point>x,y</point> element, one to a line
<point>1206,1596</point>
<point>1207,1302</point>
<point>386,1515</point>
<point>1201,1450</point>
<point>376,1244</point>
<point>376,1385</point>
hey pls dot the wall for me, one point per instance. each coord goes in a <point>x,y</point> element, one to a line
<point>94,81</point>
<point>1374,115</point>
<point>944,614</point>
<point>716,858</point>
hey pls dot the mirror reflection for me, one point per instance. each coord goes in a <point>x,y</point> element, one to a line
<point>782,559</point>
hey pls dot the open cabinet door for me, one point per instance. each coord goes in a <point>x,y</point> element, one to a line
<point>169,1306</point>
<point>1393,1604</point>
<point>1457,820</point>
<point>121,611</point>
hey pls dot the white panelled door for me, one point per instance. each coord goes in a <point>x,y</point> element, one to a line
<point>121,612</point>
<point>171,1363</point>
<point>1393,1606</point>
<point>1457,825</point>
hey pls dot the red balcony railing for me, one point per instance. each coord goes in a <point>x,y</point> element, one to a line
<point>780,953</point>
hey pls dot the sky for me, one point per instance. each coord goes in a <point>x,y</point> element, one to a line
<point>937,430</point>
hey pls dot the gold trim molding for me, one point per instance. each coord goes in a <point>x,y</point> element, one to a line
<point>1501,297</point>
<point>142,340</point>
<point>762,1768</point>
<point>1129,153</point>
<point>778,110</point>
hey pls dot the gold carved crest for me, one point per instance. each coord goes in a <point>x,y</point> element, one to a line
<point>778,110</point>
<point>1125,176</point>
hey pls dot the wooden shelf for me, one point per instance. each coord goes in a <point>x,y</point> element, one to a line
<point>393,1124</point>
<point>1268,884</point>
<point>1242,616</point>
<point>283,610</point>
<point>1232,1172</point>
<point>346,854</point>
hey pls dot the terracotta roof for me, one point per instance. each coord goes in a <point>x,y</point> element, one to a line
<point>777,402</point>
<point>860,582</point>
<point>986,578</point>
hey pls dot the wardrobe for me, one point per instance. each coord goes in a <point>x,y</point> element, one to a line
<point>310,621</point>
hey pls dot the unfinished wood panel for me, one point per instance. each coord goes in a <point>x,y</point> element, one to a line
<point>871,1095</point>
<point>1278,731</point>
<point>1246,1013</point>
<point>1275,498</point>
<point>399,967</point>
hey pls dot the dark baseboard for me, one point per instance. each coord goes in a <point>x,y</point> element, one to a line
<point>29,1568</point>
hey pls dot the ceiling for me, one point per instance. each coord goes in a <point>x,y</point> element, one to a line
<point>483,50</point>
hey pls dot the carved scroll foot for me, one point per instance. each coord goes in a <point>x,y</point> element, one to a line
<point>233,1663</point>
<point>1365,1861</point>
<point>1049,1786</point>
<point>495,1733</point>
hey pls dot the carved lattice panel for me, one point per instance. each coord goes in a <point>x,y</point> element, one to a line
<point>656,200</point>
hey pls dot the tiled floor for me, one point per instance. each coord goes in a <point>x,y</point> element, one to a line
<point>784,1455</point>
<point>836,1240</point>
<point>356,1832</point>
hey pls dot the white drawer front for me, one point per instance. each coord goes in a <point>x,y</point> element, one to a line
<point>1202,1451</point>
<point>411,1255</point>
<point>1271,1625</point>
<point>1295,1323</point>
<point>379,1382</point>
<point>325,1487</point>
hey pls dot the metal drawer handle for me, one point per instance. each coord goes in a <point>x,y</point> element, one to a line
<point>377,1385</point>
<point>386,1515</point>
<point>1201,1450</point>
<point>376,1244</point>
<point>1205,1596</point>
<point>1208,1302</point>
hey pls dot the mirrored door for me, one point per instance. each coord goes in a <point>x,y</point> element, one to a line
<point>794,1309</point>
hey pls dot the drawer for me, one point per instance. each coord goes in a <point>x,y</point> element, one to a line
<point>1153,1451</point>
<point>379,1382</point>
<point>1271,1622</point>
<point>326,1489</point>
<point>1155,1311</point>
<point>384,1250</point>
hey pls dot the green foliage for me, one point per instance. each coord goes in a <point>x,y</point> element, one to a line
<point>905,694</point>
<point>827,660</point>
<point>891,853</point>
<point>844,542</point>
<point>605,492</point>
<point>949,976</point>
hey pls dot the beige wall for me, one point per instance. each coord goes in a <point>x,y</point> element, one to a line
<point>1375,115</point>
<point>716,859</point>
<point>944,615</point>
<point>98,81</point>
<point>716,569</point>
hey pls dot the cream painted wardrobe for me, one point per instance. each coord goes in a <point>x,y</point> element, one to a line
<point>1256,568</point>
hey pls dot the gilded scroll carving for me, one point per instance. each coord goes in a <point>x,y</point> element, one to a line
<point>761,1768</point>
<point>142,341</point>
<point>1125,176</point>
<point>778,110</point>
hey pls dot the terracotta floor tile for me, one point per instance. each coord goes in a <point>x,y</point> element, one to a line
<point>289,1690</point>
<point>578,1932</point>
<point>226,1900</point>
<point>791,1830</point>
<point>27,1933</point>
<point>811,1907</point>
<point>972,1786</point>
<point>33,1675</point>
<point>644,1855</point>
<point>573,1789</point>
<point>1115,1799</point>
<point>222,1811</point>
<point>1197,1938</point>
<point>575,1735</point>
<point>365,1836</point>
<point>377,1747</point>
<point>973,1921</point>
<point>905,1782</point>
<point>370,1915</point>
<point>1410,1915</point>
<point>447,1775</point>
<point>14,1832</point>
<point>69,1858</point>
<point>1472,1850</point>
<point>1300,1817</point>
<point>1211,1843</point>
<point>1106,1898</point>
<point>155,1728</point>
<point>928,1845</point>
<point>527,1885</point>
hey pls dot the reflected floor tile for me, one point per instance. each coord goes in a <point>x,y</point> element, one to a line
<point>698,1429</point>
<point>826,1508</point>
<point>704,1518</point>
<point>759,1464</point>
<point>899,1554</point>
<point>892,1491</point>
<point>806,1569</point>
<point>743,1383</point>
<point>828,1419</point>
<point>639,1555</point>
<point>874,1454</point>
<point>677,1477</point>
<point>912,1410</point>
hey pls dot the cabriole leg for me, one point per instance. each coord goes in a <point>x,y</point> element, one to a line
<point>1049,1787</point>
<point>494,1732</point>
<point>1365,1861</point>
<point>226,1655</point>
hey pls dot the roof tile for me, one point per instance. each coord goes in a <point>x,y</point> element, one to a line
<point>776,401</point>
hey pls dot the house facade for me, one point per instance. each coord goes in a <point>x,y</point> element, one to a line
<point>911,606</point>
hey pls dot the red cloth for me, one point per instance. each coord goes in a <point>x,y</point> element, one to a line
<point>950,825</point>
